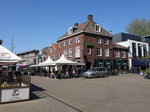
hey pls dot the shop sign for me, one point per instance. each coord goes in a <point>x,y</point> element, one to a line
<point>14,94</point>
<point>89,44</point>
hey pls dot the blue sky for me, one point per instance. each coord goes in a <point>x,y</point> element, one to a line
<point>38,23</point>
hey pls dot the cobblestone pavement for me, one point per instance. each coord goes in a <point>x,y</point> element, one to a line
<point>123,93</point>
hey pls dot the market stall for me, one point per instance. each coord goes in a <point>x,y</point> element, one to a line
<point>14,85</point>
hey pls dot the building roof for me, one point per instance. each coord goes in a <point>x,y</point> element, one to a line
<point>86,27</point>
<point>44,50</point>
<point>55,46</point>
<point>27,52</point>
<point>146,36</point>
<point>119,46</point>
<point>119,37</point>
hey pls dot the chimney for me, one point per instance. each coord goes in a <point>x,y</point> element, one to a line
<point>76,24</point>
<point>1,42</point>
<point>90,17</point>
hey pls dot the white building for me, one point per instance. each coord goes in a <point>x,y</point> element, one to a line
<point>136,49</point>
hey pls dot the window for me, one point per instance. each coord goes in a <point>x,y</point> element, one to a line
<point>50,49</point>
<point>70,52</point>
<point>77,39</point>
<point>98,40</point>
<point>139,50</point>
<point>59,55</point>
<point>97,28</point>
<point>65,43</point>
<point>99,51</point>
<point>117,54</point>
<point>106,41</point>
<point>70,30</point>
<point>77,54</point>
<point>65,53</point>
<point>134,49</point>
<point>52,57</point>
<point>70,42</point>
<point>89,51</point>
<point>106,52</point>
<point>123,54</point>
<point>59,45</point>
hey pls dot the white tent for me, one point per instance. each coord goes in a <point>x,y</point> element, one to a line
<point>64,61</point>
<point>7,57</point>
<point>48,62</point>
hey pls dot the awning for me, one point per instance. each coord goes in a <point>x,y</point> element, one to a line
<point>7,57</point>
<point>64,61</point>
<point>139,62</point>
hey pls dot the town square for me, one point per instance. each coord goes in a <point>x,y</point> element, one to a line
<point>74,56</point>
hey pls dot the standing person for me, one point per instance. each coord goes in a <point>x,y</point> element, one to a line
<point>74,73</point>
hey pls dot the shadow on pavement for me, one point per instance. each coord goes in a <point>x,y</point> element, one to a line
<point>36,92</point>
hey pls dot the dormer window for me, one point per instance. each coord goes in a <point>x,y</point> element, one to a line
<point>97,28</point>
<point>70,30</point>
<point>77,39</point>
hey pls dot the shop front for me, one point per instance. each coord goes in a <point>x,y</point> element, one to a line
<point>107,63</point>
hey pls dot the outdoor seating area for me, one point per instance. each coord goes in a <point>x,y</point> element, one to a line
<point>14,85</point>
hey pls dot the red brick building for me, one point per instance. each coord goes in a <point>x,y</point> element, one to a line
<point>120,57</point>
<point>86,43</point>
<point>53,51</point>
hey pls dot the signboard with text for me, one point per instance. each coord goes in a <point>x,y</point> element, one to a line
<point>14,94</point>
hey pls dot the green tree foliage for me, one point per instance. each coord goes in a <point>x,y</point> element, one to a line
<point>139,27</point>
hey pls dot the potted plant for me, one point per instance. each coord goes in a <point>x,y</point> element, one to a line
<point>147,73</point>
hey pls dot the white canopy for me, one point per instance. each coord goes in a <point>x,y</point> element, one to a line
<point>48,62</point>
<point>64,61</point>
<point>7,57</point>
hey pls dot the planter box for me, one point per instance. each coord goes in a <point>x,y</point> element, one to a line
<point>13,89</point>
<point>14,94</point>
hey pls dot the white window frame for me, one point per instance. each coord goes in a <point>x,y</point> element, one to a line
<point>89,51</point>
<point>70,41</point>
<point>106,54</point>
<point>77,39</point>
<point>97,28</point>
<point>107,42</point>
<point>100,51</point>
<point>77,52</point>
<point>70,30</point>
<point>99,40</point>
<point>59,45</point>
<point>123,53</point>
<point>117,53</point>
<point>65,43</point>
<point>70,52</point>
<point>59,55</point>
<point>65,53</point>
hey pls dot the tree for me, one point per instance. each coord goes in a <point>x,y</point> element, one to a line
<point>139,27</point>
